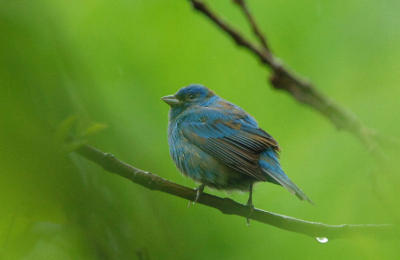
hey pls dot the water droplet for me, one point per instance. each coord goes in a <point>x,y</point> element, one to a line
<point>322,240</point>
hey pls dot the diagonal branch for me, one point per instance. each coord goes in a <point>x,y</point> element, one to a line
<point>242,4</point>
<point>284,79</point>
<point>228,206</point>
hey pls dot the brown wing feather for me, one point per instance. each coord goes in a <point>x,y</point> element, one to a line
<point>239,151</point>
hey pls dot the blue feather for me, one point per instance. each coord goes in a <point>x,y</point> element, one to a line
<point>218,144</point>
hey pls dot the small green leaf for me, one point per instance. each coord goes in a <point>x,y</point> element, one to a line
<point>93,129</point>
<point>66,128</point>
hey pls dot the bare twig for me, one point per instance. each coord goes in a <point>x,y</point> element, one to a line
<point>254,26</point>
<point>284,79</point>
<point>228,206</point>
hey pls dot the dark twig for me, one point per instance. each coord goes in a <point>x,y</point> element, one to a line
<point>282,78</point>
<point>242,4</point>
<point>228,206</point>
<point>235,35</point>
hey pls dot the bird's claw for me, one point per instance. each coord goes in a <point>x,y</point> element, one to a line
<point>199,191</point>
<point>251,210</point>
<point>250,204</point>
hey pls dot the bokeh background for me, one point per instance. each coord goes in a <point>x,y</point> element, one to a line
<point>109,62</point>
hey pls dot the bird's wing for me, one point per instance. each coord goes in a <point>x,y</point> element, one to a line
<point>231,136</point>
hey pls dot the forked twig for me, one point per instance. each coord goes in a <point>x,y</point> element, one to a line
<point>284,79</point>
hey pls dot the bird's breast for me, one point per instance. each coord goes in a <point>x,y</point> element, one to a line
<point>199,165</point>
<point>183,153</point>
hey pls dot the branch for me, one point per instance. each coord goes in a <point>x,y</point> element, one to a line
<point>283,79</point>
<point>242,4</point>
<point>228,206</point>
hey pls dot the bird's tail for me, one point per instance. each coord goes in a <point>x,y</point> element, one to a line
<point>270,165</point>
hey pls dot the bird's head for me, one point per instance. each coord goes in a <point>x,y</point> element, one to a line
<point>189,96</point>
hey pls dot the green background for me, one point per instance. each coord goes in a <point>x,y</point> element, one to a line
<point>111,61</point>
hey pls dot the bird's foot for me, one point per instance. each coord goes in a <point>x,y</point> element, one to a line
<point>250,204</point>
<point>199,191</point>
<point>251,210</point>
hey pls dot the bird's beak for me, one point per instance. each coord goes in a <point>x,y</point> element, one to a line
<point>171,100</point>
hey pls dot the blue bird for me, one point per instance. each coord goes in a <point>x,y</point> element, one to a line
<point>219,145</point>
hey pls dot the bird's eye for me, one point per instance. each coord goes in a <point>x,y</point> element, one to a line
<point>191,96</point>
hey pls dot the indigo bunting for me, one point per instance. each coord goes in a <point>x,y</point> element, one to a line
<point>219,145</point>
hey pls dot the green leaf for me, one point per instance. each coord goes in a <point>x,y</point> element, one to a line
<point>66,129</point>
<point>93,129</point>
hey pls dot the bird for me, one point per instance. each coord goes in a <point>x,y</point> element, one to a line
<point>219,145</point>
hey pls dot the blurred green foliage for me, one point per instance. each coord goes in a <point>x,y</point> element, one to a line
<point>111,61</point>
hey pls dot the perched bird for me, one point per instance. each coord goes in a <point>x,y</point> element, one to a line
<point>219,145</point>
